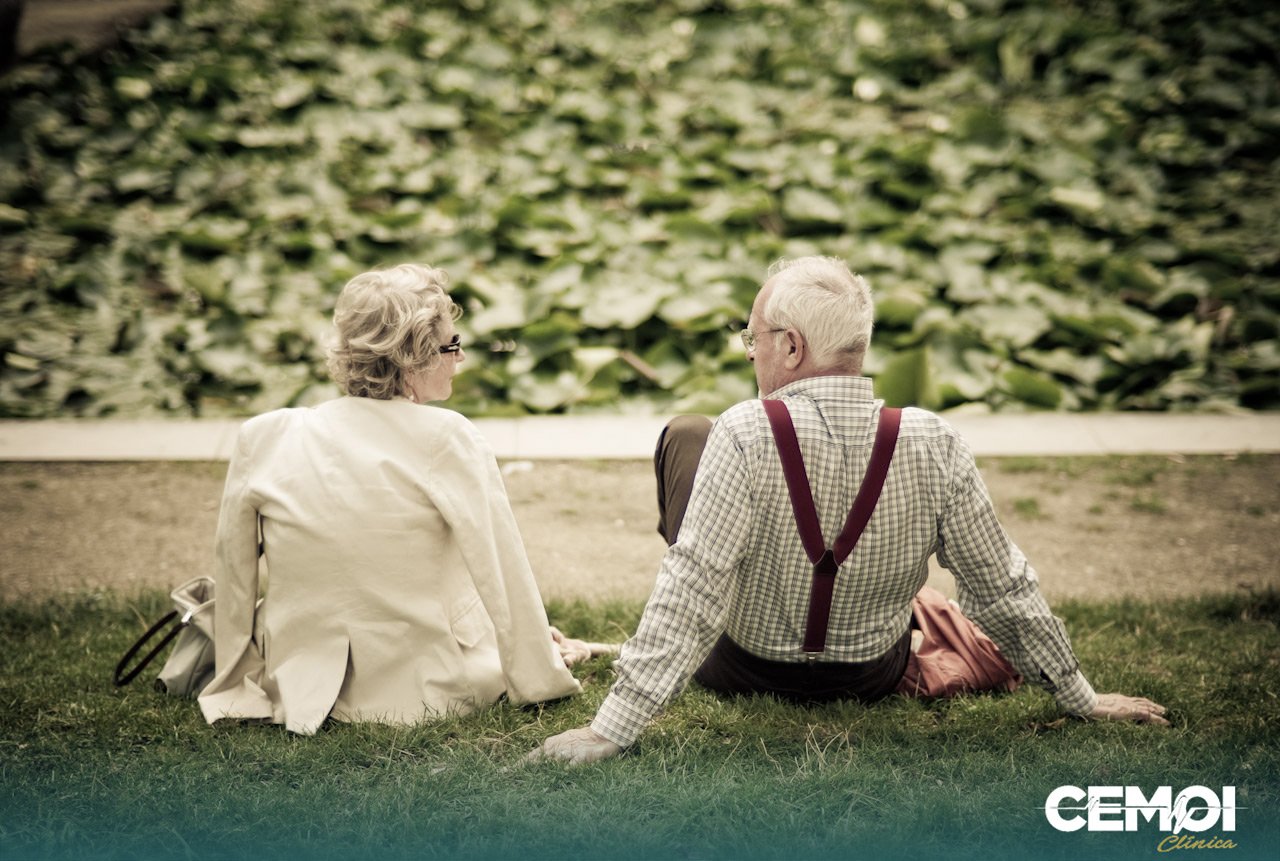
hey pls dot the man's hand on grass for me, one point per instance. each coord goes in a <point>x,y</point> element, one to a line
<point>1121,707</point>
<point>576,747</point>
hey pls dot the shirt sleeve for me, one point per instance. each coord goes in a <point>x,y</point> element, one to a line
<point>689,605</point>
<point>468,490</point>
<point>235,691</point>
<point>999,590</point>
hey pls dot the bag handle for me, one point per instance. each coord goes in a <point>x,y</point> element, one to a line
<point>122,677</point>
<point>827,561</point>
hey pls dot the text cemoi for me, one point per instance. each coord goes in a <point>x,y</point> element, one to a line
<point>1120,808</point>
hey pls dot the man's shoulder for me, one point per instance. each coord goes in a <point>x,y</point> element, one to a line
<point>927,434</point>
<point>924,424</point>
<point>743,411</point>
<point>744,419</point>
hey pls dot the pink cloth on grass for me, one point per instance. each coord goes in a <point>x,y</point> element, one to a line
<point>955,657</point>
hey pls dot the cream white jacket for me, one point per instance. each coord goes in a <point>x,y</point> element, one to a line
<point>399,587</point>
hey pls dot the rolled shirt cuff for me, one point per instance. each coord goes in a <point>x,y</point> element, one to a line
<point>620,721</point>
<point>1075,695</point>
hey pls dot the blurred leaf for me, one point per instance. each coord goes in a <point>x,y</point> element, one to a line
<point>1065,363</point>
<point>708,300</point>
<point>899,309</point>
<point>214,234</point>
<point>624,301</point>
<point>906,380</point>
<point>546,392</point>
<point>1032,388</point>
<point>1085,200</point>
<point>11,216</point>
<point>1015,325</point>
<point>806,206</point>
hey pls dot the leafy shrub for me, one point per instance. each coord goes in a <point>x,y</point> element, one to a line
<point>1068,205</point>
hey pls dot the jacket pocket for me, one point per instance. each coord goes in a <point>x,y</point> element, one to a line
<point>471,625</point>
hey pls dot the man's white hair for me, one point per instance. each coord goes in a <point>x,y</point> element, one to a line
<point>829,305</point>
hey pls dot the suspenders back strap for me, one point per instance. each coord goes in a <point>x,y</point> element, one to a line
<point>826,561</point>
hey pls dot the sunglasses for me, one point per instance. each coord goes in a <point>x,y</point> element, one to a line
<point>454,345</point>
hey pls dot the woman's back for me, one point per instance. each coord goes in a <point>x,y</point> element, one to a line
<point>391,552</point>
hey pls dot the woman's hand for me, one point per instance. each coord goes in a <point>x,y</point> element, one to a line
<point>572,651</point>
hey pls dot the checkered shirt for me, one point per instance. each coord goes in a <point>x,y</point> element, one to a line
<point>739,566</point>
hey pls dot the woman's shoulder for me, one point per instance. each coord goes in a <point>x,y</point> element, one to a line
<point>398,408</point>
<point>420,417</point>
<point>263,429</point>
<point>270,421</point>
<point>443,427</point>
<point>459,429</point>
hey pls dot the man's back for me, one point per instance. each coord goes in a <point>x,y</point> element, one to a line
<point>835,419</point>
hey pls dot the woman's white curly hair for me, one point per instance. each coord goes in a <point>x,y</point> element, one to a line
<point>389,324</point>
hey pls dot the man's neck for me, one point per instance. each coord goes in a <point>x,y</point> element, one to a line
<point>816,375</point>
<point>813,373</point>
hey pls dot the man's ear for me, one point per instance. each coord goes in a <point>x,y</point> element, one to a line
<point>795,350</point>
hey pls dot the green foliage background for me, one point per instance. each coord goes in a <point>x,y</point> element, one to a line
<point>1059,204</point>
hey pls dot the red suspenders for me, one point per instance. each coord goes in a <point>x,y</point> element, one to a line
<point>826,561</point>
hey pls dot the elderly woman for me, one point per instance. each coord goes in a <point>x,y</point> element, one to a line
<point>399,586</point>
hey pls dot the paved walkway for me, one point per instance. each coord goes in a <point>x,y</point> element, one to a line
<point>615,437</point>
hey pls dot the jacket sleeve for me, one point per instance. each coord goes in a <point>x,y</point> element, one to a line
<point>235,691</point>
<point>467,489</point>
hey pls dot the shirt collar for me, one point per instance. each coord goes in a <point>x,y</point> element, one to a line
<point>839,385</point>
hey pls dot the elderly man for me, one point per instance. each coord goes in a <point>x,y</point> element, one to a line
<point>732,603</point>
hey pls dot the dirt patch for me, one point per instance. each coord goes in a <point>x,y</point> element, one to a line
<point>1094,528</point>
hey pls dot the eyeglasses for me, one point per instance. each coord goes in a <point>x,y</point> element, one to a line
<point>454,345</point>
<point>749,337</point>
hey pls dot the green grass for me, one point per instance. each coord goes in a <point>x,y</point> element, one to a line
<point>1028,507</point>
<point>1062,467</point>
<point>1137,471</point>
<point>1021,465</point>
<point>1151,504</point>
<point>90,771</point>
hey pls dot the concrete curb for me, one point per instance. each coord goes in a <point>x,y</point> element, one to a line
<point>628,437</point>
